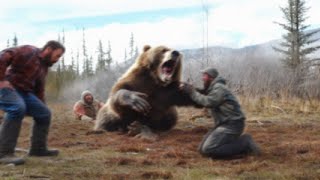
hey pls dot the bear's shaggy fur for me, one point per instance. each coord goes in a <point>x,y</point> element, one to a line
<point>152,80</point>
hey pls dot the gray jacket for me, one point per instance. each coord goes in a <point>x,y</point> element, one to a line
<point>222,103</point>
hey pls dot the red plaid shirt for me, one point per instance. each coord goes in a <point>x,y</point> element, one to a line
<point>23,68</point>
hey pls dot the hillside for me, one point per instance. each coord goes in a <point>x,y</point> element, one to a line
<point>263,51</point>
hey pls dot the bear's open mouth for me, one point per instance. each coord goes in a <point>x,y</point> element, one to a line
<point>168,67</point>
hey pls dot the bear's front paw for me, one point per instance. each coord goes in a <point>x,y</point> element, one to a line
<point>134,128</point>
<point>147,134</point>
<point>137,101</point>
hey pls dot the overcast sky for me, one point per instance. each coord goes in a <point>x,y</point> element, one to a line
<point>177,24</point>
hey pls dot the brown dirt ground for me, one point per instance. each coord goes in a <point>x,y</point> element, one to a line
<point>290,150</point>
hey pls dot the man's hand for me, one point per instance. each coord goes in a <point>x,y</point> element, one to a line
<point>6,84</point>
<point>78,116</point>
<point>187,88</point>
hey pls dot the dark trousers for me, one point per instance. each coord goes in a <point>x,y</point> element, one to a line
<point>225,141</point>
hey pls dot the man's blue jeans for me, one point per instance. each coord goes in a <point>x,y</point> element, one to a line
<point>17,104</point>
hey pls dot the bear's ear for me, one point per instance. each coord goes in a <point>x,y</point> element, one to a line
<point>146,48</point>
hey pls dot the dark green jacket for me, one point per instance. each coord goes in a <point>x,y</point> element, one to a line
<point>222,103</point>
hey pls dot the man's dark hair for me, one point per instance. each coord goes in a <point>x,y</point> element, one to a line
<point>54,45</point>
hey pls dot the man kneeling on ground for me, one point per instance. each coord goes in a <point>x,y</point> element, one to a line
<point>226,138</point>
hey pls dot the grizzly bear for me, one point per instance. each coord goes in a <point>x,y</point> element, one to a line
<point>144,99</point>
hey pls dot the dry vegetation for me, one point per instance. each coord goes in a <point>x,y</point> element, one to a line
<point>288,133</point>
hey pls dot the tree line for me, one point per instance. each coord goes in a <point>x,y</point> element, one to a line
<point>82,66</point>
<point>299,72</point>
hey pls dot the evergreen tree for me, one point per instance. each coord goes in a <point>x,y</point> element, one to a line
<point>15,41</point>
<point>125,58</point>
<point>77,64</point>
<point>63,65</point>
<point>109,56</point>
<point>101,64</point>
<point>89,67</point>
<point>131,46</point>
<point>59,80</point>
<point>297,41</point>
<point>72,67</point>
<point>8,43</point>
<point>58,75</point>
<point>85,61</point>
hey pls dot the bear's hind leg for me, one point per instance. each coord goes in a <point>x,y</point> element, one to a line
<point>164,121</point>
<point>139,130</point>
<point>109,121</point>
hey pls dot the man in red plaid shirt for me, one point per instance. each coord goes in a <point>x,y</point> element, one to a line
<point>23,70</point>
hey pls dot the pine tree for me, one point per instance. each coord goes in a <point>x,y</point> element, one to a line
<point>58,75</point>
<point>72,67</point>
<point>8,43</point>
<point>297,41</point>
<point>109,56</point>
<point>63,65</point>
<point>85,66</point>
<point>125,58</point>
<point>15,41</point>
<point>77,64</point>
<point>89,67</point>
<point>131,46</point>
<point>59,81</point>
<point>101,64</point>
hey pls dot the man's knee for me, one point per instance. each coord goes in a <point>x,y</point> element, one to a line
<point>16,112</point>
<point>44,116</point>
<point>217,152</point>
<point>204,151</point>
<point>207,150</point>
<point>213,143</point>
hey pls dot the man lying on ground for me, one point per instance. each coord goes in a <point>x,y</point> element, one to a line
<point>87,107</point>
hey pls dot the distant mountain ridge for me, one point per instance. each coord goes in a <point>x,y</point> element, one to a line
<point>264,50</point>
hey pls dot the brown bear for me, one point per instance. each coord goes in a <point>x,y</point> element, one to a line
<point>144,98</point>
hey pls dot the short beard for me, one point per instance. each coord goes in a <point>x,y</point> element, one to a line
<point>206,85</point>
<point>88,103</point>
<point>47,60</point>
